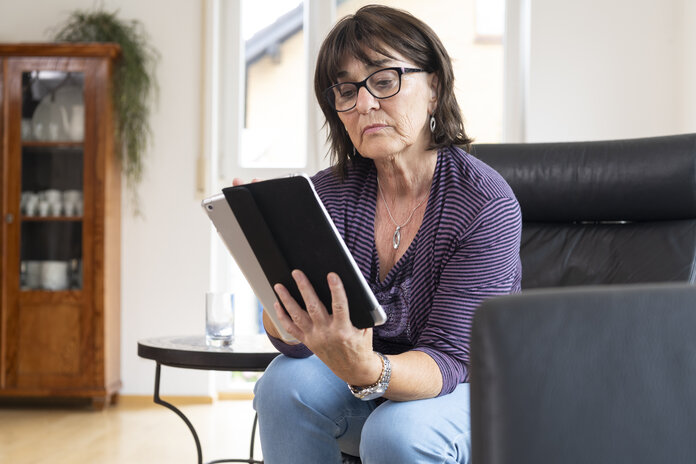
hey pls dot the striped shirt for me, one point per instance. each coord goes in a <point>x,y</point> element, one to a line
<point>466,250</point>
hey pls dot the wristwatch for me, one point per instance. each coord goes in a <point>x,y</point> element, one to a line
<point>378,388</point>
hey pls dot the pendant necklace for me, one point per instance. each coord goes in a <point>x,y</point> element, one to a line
<point>396,238</point>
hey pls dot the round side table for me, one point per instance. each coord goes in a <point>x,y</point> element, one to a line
<point>247,353</point>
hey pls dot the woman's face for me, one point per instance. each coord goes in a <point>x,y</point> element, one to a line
<point>386,128</point>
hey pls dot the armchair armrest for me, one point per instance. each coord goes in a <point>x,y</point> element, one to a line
<point>602,374</point>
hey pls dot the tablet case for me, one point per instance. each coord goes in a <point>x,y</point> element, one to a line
<point>288,228</point>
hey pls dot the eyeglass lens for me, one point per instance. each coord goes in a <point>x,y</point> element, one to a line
<point>382,84</point>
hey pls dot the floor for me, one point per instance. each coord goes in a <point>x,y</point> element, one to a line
<point>132,433</point>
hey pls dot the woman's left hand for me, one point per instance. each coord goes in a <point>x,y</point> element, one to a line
<point>346,350</point>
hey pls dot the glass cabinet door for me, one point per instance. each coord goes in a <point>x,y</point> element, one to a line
<point>52,167</point>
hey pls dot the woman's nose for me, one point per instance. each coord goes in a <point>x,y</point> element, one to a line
<point>366,101</point>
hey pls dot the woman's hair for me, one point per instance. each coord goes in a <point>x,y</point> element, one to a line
<point>383,29</point>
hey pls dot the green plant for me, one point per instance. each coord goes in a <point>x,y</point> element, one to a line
<point>135,87</point>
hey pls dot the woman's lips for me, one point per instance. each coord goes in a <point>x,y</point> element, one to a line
<point>371,129</point>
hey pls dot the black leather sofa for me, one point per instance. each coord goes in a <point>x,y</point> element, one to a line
<point>595,360</point>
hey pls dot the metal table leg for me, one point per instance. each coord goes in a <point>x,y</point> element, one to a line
<point>170,406</point>
<point>159,400</point>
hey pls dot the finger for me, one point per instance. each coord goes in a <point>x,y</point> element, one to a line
<point>256,179</point>
<point>294,311</point>
<point>285,321</point>
<point>339,300</point>
<point>237,181</point>
<point>315,309</point>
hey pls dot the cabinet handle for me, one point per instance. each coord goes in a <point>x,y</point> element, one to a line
<point>9,218</point>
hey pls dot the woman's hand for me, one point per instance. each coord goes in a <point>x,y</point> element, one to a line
<point>237,181</point>
<point>347,351</point>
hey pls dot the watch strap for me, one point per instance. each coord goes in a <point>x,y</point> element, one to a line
<point>378,388</point>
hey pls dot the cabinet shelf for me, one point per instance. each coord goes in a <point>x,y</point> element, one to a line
<point>52,218</point>
<point>42,296</point>
<point>57,144</point>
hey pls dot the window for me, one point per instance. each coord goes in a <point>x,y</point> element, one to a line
<point>274,124</point>
<point>490,21</point>
<point>263,122</point>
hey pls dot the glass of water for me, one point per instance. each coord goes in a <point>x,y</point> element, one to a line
<point>219,319</point>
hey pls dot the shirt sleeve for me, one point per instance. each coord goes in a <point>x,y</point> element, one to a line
<point>484,263</point>
<point>298,350</point>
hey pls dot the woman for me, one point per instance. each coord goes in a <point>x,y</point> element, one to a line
<point>433,230</point>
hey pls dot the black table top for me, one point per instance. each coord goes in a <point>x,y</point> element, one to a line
<point>247,353</point>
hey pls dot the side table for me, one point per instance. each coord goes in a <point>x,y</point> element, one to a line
<point>247,353</point>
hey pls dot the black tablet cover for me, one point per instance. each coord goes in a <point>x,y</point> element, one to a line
<point>288,228</point>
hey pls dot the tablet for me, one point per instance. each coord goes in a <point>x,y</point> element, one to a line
<point>274,226</point>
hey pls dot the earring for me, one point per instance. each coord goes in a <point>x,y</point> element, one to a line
<point>433,123</point>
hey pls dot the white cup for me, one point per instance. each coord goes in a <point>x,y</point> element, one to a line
<point>72,196</point>
<point>31,207</point>
<point>69,209</point>
<point>26,199</point>
<point>71,202</point>
<point>27,130</point>
<point>55,208</point>
<point>54,275</point>
<point>219,319</point>
<point>39,131</point>
<point>33,274</point>
<point>53,131</point>
<point>44,208</point>
<point>52,195</point>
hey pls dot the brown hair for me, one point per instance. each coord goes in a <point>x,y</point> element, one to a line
<point>382,29</point>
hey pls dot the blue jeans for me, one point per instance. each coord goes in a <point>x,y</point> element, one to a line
<point>307,415</point>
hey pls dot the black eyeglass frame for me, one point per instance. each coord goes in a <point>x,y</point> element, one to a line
<point>328,93</point>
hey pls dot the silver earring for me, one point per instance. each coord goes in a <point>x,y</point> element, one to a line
<point>433,123</point>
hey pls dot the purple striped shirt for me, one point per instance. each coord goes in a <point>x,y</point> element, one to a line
<point>466,249</point>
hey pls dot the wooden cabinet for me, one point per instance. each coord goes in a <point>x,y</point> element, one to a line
<point>60,236</point>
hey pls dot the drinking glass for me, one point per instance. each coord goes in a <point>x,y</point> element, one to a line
<point>219,319</point>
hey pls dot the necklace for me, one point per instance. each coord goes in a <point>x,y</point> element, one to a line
<point>396,238</point>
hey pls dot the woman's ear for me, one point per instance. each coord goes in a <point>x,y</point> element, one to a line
<point>434,86</point>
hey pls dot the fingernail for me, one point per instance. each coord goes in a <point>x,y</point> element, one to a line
<point>333,278</point>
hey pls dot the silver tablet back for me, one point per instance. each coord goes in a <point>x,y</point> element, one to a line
<point>219,212</point>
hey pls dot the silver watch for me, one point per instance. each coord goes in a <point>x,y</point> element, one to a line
<point>378,388</point>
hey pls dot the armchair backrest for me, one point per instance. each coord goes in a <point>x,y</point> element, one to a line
<point>606,212</point>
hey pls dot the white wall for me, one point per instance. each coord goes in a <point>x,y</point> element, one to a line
<point>165,264</point>
<point>688,16</point>
<point>610,69</point>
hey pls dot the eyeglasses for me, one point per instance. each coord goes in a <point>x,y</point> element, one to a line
<point>381,84</point>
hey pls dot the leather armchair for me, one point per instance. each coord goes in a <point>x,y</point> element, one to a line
<point>598,365</point>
